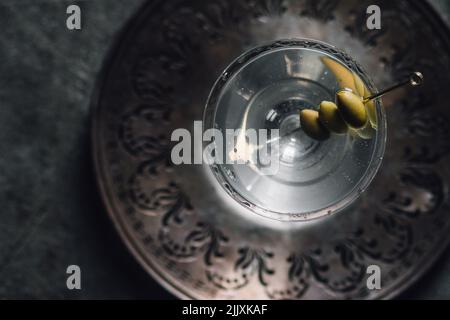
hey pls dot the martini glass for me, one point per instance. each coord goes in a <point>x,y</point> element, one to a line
<point>297,178</point>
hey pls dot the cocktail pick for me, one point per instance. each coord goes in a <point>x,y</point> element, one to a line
<point>415,79</point>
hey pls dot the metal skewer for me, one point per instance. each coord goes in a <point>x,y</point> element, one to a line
<point>415,79</point>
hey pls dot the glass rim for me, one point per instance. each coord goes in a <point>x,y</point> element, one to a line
<point>380,137</point>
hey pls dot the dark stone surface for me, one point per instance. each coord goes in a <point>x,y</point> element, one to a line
<point>51,214</point>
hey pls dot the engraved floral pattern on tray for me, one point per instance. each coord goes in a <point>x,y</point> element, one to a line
<point>158,79</point>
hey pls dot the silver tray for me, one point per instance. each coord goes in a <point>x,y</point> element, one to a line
<point>191,236</point>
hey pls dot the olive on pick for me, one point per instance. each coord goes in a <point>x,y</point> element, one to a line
<point>351,109</point>
<point>309,121</point>
<point>330,117</point>
<point>343,75</point>
<point>372,113</point>
<point>359,85</point>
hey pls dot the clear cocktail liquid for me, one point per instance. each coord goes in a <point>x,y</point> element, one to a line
<point>313,177</point>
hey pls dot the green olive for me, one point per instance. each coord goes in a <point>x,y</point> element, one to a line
<point>330,117</point>
<point>372,113</point>
<point>352,109</point>
<point>309,120</point>
<point>359,85</point>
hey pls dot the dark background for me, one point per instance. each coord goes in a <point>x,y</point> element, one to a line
<point>51,214</point>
